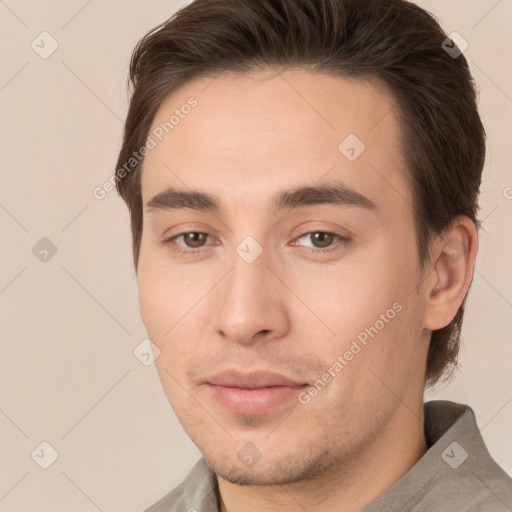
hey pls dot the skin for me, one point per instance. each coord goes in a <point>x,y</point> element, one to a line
<point>295,309</point>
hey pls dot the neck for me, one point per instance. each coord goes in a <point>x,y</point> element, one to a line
<point>382,461</point>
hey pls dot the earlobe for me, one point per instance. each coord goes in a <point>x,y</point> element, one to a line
<point>451,272</point>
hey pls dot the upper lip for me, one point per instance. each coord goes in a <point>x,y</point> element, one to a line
<point>251,380</point>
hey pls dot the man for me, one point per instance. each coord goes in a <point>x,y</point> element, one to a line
<point>302,178</point>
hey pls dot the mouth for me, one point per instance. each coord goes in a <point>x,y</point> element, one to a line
<point>253,393</point>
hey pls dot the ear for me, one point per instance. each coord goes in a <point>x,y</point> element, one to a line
<point>449,276</point>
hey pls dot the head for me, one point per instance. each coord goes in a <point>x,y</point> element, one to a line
<point>274,122</point>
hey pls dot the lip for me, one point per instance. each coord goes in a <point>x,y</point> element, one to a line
<point>251,380</point>
<point>257,392</point>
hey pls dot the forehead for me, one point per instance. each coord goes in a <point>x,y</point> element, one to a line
<point>254,135</point>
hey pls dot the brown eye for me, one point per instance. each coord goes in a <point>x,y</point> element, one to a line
<point>195,239</point>
<point>321,239</point>
<point>192,239</point>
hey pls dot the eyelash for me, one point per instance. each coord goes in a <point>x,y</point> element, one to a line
<point>170,242</point>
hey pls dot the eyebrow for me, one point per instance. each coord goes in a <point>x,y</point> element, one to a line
<point>307,195</point>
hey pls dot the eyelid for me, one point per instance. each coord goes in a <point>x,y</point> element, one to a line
<point>190,250</point>
<point>341,240</point>
<point>335,247</point>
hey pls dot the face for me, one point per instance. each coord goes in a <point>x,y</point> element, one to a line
<point>278,270</point>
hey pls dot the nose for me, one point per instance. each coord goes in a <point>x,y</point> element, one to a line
<point>252,303</point>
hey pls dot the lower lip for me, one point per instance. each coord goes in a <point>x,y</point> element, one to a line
<point>254,401</point>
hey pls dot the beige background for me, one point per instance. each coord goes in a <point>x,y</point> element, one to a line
<point>68,326</point>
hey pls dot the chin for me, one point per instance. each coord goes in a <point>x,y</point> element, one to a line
<point>278,470</point>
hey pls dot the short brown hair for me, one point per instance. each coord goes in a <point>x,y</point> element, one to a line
<point>394,41</point>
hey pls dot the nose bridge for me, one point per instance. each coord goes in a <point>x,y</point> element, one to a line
<point>250,258</point>
<point>248,303</point>
<point>247,281</point>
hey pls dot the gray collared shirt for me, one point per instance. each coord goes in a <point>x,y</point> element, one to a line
<point>456,474</point>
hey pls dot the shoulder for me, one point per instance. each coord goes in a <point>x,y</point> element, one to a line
<point>465,472</point>
<point>456,473</point>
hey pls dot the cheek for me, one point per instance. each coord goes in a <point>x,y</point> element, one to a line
<point>172,309</point>
<point>152,296</point>
<point>160,298</point>
<point>369,308</point>
<point>161,308</point>
<point>163,289</point>
<point>350,296</point>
